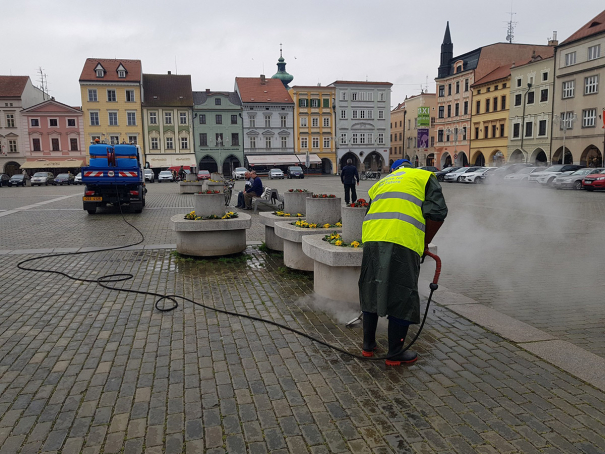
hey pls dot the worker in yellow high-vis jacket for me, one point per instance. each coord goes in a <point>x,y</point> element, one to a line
<point>407,209</point>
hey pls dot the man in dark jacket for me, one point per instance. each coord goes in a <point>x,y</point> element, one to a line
<point>348,175</point>
<point>256,190</point>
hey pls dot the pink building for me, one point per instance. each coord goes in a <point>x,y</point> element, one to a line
<point>55,137</point>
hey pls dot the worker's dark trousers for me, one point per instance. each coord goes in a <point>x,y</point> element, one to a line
<point>350,188</point>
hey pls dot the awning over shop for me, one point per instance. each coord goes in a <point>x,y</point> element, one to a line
<point>53,164</point>
<point>282,159</point>
<point>171,160</point>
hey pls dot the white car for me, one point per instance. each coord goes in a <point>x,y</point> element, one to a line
<point>165,175</point>
<point>548,175</point>
<point>78,178</point>
<point>239,173</point>
<point>456,175</point>
<point>522,176</point>
<point>478,176</point>
<point>276,173</point>
<point>573,180</point>
<point>149,175</point>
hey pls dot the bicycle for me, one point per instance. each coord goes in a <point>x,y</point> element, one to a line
<point>369,175</point>
<point>228,190</point>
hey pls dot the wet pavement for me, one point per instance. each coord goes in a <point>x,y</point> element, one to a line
<point>86,369</point>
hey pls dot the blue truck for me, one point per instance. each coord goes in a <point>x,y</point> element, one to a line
<point>114,176</point>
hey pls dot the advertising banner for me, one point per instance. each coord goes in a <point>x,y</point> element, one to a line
<point>424,117</point>
<point>423,138</point>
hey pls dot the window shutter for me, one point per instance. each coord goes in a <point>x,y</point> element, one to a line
<point>300,103</point>
<point>326,103</point>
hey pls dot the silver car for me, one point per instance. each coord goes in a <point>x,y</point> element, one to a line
<point>573,180</point>
<point>165,175</point>
<point>522,176</point>
<point>149,175</point>
<point>240,173</point>
<point>276,173</point>
<point>42,178</point>
<point>456,175</point>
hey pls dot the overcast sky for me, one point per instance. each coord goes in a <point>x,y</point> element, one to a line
<point>396,41</point>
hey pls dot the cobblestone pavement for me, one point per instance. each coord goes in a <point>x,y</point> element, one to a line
<point>85,369</point>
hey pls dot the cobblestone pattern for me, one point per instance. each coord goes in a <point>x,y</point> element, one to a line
<point>84,369</point>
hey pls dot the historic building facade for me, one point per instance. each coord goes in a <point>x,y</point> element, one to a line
<point>579,97</point>
<point>314,125</point>
<point>419,129</point>
<point>16,93</point>
<point>167,121</point>
<point>363,118</point>
<point>218,131</point>
<point>397,148</point>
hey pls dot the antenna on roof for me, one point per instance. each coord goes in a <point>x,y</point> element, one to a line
<point>176,69</point>
<point>43,82</point>
<point>510,29</point>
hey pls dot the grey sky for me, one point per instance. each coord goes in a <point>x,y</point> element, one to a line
<point>215,41</point>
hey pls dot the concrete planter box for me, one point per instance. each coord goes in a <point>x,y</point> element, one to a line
<point>272,241</point>
<point>211,238</point>
<point>211,186</point>
<point>209,204</point>
<point>323,211</point>
<point>296,202</point>
<point>352,223</point>
<point>292,236</point>
<point>190,187</point>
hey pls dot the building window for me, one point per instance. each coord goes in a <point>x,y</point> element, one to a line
<point>284,143</point>
<point>326,143</point>
<point>130,96</point>
<point>326,122</point>
<point>217,101</point>
<point>343,96</point>
<point>530,97</point>
<point>516,130</point>
<point>235,139</point>
<point>169,143</point>
<point>457,86</point>
<point>567,122</point>
<point>570,59</point>
<point>153,118</point>
<point>303,122</point>
<point>441,91</point>
<point>529,126</point>
<point>381,96</point>
<point>36,144</point>
<point>55,145</point>
<point>219,139</point>
<point>114,139</point>
<point>362,138</point>
<point>381,114</point>
<point>545,76</point>
<point>100,72</point>
<point>326,103</point>
<point>343,138</point>
<point>35,122</point>
<point>167,118</point>
<point>132,140</point>
<point>594,52</point>
<point>589,118</point>
<point>362,114</point>
<point>542,128</point>
<point>432,141</point>
<point>283,119</point>
<point>465,109</point>
<point>354,96</point>
<point>315,142</point>
<point>268,142</point>
<point>252,120</point>
<point>440,135</point>
<point>218,119</point>
<point>354,139</point>
<point>591,85</point>
<point>303,102</point>
<point>343,114</point>
<point>202,119</point>
<point>501,130</point>
<point>184,143</point>
<point>131,118</point>
<point>315,102</point>
<point>518,99</point>
<point>381,138</point>
<point>94,118</point>
<point>568,89</point>
<point>449,89</point>
<point>495,104</point>
<point>113,118</point>
<point>354,114</point>
<point>494,129</point>
<point>314,122</point>
<point>303,142</point>
<point>518,82</point>
<point>121,73</point>
<point>457,109</point>
<point>544,95</point>
<point>203,139</point>
<point>487,102</point>
<point>268,122</point>
<point>183,118</point>
<point>253,142</point>
<point>111,96</point>
<point>12,146</point>
<point>154,143</point>
<point>466,85</point>
<point>71,122</point>
<point>441,110</point>
<point>233,119</point>
<point>53,122</point>
<point>478,108</point>
<point>464,133</point>
<point>92,95</point>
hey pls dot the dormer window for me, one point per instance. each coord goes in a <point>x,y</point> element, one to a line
<point>121,74</point>
<point>99,70</point>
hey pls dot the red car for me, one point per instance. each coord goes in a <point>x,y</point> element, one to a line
<point>594,181</point>
<point>203,175</point>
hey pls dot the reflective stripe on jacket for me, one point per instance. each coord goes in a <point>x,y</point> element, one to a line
<point>395,214</point>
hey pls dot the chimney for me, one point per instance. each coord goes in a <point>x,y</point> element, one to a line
<point>169,72</point>
<point>262,79</point>
<point>553,41</point>
<point>207,91</point>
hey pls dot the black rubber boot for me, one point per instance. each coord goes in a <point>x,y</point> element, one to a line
<point>370,321</point>
<point>397,335</point>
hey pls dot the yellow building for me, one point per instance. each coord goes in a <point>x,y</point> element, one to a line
<point>314,124</point>
<point>489,133</point>
<point>111,101</point>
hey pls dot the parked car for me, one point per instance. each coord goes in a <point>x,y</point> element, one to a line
<point>522,176</point>
<point>430,168</point>
<point>478,176</point>
<point>456,175</point>
<point>64,178</point>
<point>548,175</point>
<point>149,175</point>
<point>594,181</point>
<point>295,172</point>
<point>442,173</point>
<point>573,180</point>
<point>203,175</point>
<point>78,178</point>
<point>239,173</point>
<point>499,175</point>
<point>276,173</point>
<point>42,178</point>
<point>18,180</point>
<point>165,175</point>
<point>4,179</point>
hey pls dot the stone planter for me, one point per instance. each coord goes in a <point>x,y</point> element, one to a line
<point>190,187</point>
<point>323,211</point>
<point>292,237</point>
<point>296,202</point>
<point>352,223</point>
<point>212,186</point>
<point>209,204</point>
<point>272,241</point>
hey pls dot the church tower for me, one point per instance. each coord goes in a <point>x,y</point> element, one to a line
<point>281,73</point>
<point>447,53</point>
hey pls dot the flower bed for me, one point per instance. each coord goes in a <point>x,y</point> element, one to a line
<point>306,225</point>
<point>193,217</point>
<point>360,203</point>
<point>335,239</point>
<point>209,191</point>
<point>298,190</point>
<point>324,196</point>
<point>281,213</point>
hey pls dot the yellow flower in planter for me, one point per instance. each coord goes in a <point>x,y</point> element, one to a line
<point>338,224</point>
<point>338,243</point>
<point>312,226</point>
<point>355,244</point>
<point>225,217</point>
<point>326,226</point>
<point>299,215</point>
<point>286,214</point>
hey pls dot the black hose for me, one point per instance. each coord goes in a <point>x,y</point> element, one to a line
<point>103,281</point>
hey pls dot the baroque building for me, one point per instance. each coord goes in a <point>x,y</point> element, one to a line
<point>419,129</point>
<point>397,148</point>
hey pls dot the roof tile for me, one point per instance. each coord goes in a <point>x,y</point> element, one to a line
<point>593,27</point>
<point>12,86</point>
<point>133,70</point>
<point>272,91</point>
<point>167,90</point>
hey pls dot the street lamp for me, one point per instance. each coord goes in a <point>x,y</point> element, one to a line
<point>566,121</point>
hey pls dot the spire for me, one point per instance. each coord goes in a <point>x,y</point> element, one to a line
<point>281,73</point>
<point>447,53</point>
<point>447,39</point>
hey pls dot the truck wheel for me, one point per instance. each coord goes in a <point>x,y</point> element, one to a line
<point>136,207</point>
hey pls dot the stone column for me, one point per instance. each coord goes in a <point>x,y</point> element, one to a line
<point>296,202</point>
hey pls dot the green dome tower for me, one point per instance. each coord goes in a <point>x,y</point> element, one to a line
<point>281,73</point>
